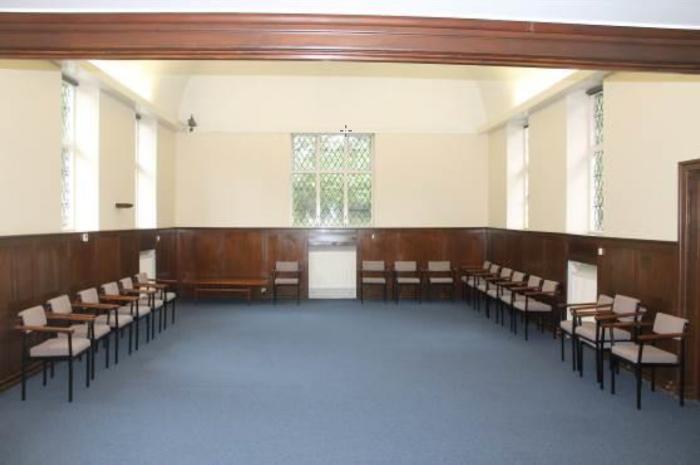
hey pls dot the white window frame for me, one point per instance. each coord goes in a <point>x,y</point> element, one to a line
<point>69,146</point>
<point>594,147</point>
<point>317,171</point>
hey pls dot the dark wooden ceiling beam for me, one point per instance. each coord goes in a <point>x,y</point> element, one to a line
<point>354,38</point>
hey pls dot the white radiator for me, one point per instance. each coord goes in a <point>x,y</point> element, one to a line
<point>332,271</point>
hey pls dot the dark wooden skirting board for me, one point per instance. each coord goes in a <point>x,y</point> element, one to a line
<point>353,38</point>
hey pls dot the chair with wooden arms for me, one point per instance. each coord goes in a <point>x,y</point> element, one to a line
<point>644,353</point>
<point>624,309</point>
<point>109,314</point>
<point>500,293</point>
<point>34,324</point>
<point>466,277</point>
<point>166,287</point>
<point>286,274</point>
<point>517,295</point>
<point>537,302</point>
<point>372,273</point>
<point>573,315</point>
<point>129,305</point>
<point>488,287</point>
<point>478,283</point>
<point>440,274</point>
<point>83,325</point>
<point>406,275</point>
<point>148,303</point>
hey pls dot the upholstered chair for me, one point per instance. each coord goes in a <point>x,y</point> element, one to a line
<point>34,325</point>
<point>166,287</point>
<point>579,314</point>
<point>623,309</point>
<point>109,314</point>
<point>440,274</point>
<point>286,274</point>
<point>489,284</point>
<point>467,275</point>
<point>148,304</point>
<point>478,283</point>
<point>372,273</point>
<point>406,275</point>
<point>537,302</point>
<point>643,352</point>
<point>82,325</point>
<point>500,292</point>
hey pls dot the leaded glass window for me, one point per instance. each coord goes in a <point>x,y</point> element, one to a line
<point>67,156</point>
<point>332,180</point>
<point>597,194</point>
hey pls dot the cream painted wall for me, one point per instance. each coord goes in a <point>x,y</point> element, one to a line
<point>117,163</point>
<point>430,180</point>
<point>651,123</point>
<point>547,173</point>
<point>165,178</point>
<point>497,188</point>
<point>225,179</point>
<point>30,130</point>
<point>232,179</point>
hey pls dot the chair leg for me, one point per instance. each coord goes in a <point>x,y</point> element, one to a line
<point>116,346</point>
<point>274,294</point>
<point>43,372</point>
<point>70,379</point>
<point>681,383</point>
<point>24,376</point>
<point>573,353</point>
<point>148,326</point>
<point>106,347</point>
<point>653,379</point>
<point>562,346</point>
<point>131,337</point>
<point>138,324</point>
<point>638,374</point>
<point>172,312</point>
<point>526,323</point>
<point>613,361</point>
<point>298,294</point>
<point>87,368</point>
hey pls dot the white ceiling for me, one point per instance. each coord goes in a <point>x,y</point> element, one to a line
<point>667,13</point>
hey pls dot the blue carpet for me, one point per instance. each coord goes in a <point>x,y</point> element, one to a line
<point>335,383</point>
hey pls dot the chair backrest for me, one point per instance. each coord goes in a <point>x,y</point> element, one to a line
<point>439,266</point>
<point>372,265</point>
<point>624,304</point>
<point>534,281</point>
<point>89,296</point>
<point>34,316</point>
<point>518,276</point>
<point>486,265</point>
<point>110,288</point>
<point>604,299</point>
<point>287,267</point>
<point>60,304</point>
<point>549,286</point>
<point>405,266</point>
<point>506,272</point>
<point>141,277</point>
<point>126,283</point>
<point>668,324</point>
<point>494,268</point>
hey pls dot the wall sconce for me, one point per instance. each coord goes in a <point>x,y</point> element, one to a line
<point>124,205</point>
<point>84,237</point>
<point>191,123</point>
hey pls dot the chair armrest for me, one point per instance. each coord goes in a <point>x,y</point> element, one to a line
<point>119,298</point>
<point>70,317</point>
<point>100,306</point>
<point>524,289</point>
<point>584,305</point>
<point>625,324</point>
<point>540,293</point>
<point>589,312</point>
<point>513,283</point>
<point>140,291</point>
<point>164,281</point>
<point>658,337</point>
<point>45,329</point>
<point>151,285</point>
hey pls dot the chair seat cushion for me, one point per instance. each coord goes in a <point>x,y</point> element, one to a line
<point>373,280</point>
<point>290,281</point>
<point>568,325</point>
<point>82,331</point>
<point>58,347</point>
<point>145,304</point>
<point>407,280</point>
<point>441,280</point>
<point>630,351</point>
<point>532,305</point>
<point>588,331</point>
<point>123,320</point>
<point>170,296</point>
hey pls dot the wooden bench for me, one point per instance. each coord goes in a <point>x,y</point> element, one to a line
<point>240,286</point>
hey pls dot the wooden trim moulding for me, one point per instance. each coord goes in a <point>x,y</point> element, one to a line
<point>351,38</point>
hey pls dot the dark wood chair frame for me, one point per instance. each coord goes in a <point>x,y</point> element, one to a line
<point>46,360</point>
<point>649,339</point>
<point>574,308</point>
<point>362,273</point>
<point>509,285</point>
<point>111,310</point>
<point>163,286</point>
<point>427,274</point>
<point>494,282</point>
<point>287,274</point>
<point>407,274</point>
<point>478,276</point>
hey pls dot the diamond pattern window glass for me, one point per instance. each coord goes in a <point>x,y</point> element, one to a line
<point>67,156</point>
<point>332,180</point>
<point>597,194</point>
